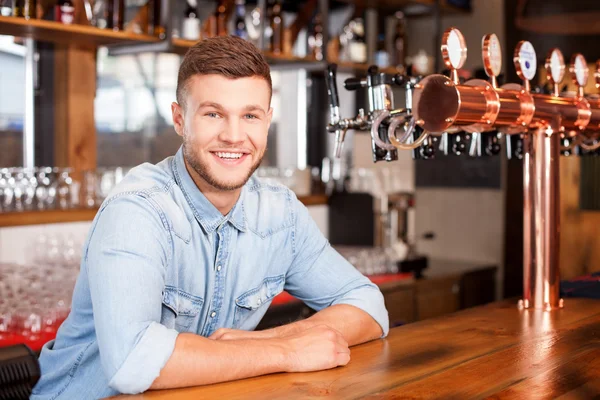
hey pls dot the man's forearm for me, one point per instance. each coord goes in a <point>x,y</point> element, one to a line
<point>355,325</point>
<point>199,361</point>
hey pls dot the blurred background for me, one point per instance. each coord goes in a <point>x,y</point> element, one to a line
<point>85,94</point>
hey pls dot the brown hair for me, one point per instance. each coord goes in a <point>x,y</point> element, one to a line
<point>229,56</point>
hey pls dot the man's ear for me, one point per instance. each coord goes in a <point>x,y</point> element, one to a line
<point>177,112</point>
<point>269,118</point>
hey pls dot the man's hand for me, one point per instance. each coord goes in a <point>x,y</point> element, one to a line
<point>316,349</point>
<point>237,334</point>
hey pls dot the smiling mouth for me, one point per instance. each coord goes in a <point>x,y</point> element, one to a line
<point>228,155</point>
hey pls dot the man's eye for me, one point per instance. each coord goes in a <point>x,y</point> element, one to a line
<point>251,116</point>
<point>212,115</point>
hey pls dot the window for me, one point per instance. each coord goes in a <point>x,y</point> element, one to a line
<point>12,101</point>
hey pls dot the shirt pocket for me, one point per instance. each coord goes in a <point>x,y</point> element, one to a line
<point>252,305</point>
<point>181,310</point>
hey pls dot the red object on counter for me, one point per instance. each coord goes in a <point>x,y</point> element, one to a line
<point>9,339</point>
<point>286,298</point>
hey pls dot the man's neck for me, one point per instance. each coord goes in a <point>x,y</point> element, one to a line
<point>222,200</point>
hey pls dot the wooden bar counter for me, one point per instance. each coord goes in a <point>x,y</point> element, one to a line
<point>495,351</point>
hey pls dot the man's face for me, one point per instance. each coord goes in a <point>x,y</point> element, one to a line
<point>224,127</point>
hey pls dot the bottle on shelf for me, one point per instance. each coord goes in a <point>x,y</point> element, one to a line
<point>222,19</point>
<point>277,27</point>
<point>382,57</point>
<point>315,38</point>
<point>399,51</point>
<point>25,9</point>
<point>216,24</point>
<point>115,15</point>
<point>64,12</point>
<point>190,29</point>
<point>6,8</point>
<point>240,20</point>
<point>155,27</point>
<point>357,47</point>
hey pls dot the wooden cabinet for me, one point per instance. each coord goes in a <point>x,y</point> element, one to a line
<point>448,289</point>
<point>437,296</point>
<point>400,303</point>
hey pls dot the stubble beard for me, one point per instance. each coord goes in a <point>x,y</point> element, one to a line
<point>203,169</point>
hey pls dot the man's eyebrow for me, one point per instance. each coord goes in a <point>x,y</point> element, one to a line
<point>254,107</point>
<point>211,104</point>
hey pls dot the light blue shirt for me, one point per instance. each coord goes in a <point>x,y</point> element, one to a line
<point>161,259</point>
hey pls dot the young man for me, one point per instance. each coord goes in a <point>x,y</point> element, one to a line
<point>184,257</point>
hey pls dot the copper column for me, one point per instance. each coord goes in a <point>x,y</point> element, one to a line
<point>541,225</point>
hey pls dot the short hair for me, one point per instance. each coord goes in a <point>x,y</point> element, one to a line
<point>228,56</point>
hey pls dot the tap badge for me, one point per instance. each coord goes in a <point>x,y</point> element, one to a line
<point>527,60</point>
<point>580,70</point>
<point>492,55</point>
<point>454,49</point>
<point>557,64</point>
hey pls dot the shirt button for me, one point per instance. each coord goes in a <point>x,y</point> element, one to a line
<point>218,267</point>
<point>212,314</point>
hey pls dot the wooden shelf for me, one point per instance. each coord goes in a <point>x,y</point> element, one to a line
<point>50,31</point>
<point>88,214</point>
<point>181,46</point>
<point>358,67</point>
<point>314,200</point>
<point>572,23</point>
<point>46,217</point>
<point>411,8</point>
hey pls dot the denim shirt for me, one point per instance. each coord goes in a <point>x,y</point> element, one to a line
<point>161,259</point>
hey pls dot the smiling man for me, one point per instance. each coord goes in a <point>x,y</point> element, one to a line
<point>185,256</point>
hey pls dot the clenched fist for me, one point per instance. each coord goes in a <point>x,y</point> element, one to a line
<point>316,349</point>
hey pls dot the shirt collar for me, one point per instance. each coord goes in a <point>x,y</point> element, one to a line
<point>209,217</point>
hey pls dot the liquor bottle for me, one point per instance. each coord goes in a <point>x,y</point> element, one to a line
<point>382,57</point>
<point>190,29</point>
<point>64,12</point>
<point>358,45</point>
<point>216,25</point>
<point>221,17</point>
<point>276,27</point>
<point>155,27</point>
<point>6,8</point>
<point>399,57</point>
<point>240,20</point>
<point>315,39</point>
<point>115,15</point>
<point>25,9</point>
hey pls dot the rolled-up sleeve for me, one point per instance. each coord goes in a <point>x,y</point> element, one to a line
<point>321,277</point>
<point>128,252</point>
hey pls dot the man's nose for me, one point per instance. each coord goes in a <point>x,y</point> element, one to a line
<point>233,132</point>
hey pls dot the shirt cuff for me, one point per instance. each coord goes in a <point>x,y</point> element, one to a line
<point>143,365</point>
<point>369,299</point>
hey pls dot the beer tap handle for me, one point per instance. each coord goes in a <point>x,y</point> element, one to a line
<point>492,145</point>
<point>427,150</point>
<point>400,80</point>
<point>354,83</point>
<point>334,103</point>
<point>334,108</point>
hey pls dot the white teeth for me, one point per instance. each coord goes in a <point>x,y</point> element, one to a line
<point>228,155</point>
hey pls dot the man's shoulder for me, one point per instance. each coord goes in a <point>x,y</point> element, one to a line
<point>146,179</point>
<point>152,190</point>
